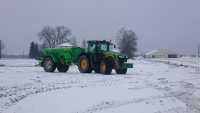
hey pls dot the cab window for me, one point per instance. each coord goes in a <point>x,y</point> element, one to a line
<point>92,47</point>
<point>104,47</point>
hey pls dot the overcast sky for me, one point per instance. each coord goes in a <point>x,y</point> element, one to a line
<point>173,24</point>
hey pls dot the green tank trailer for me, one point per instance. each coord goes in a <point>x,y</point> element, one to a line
<point>98,56</point>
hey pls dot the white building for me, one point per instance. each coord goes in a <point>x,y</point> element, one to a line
<point>161,53</point>
<point>64,45</point>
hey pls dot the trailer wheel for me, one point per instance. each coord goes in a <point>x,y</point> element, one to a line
<point>105,68</point>
<point>49,65</point>
<point>84,64</point>
<point>62,68</point>
<point>121,71</point>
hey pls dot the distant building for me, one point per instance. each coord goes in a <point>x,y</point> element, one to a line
<point>161,53</point>
<point>64,45</point>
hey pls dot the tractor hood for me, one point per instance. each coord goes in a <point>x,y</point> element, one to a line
<point>116,55</point>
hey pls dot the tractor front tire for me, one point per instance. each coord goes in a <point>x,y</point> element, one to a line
<point>84,64</point>
<point>49,65</point>
<point>62,68</point>
<point>121,71</point>
<point>105,67</point>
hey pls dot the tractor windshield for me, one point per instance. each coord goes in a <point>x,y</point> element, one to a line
<point>104,47</point>
<point>111,47</point>
<point>100,46</point>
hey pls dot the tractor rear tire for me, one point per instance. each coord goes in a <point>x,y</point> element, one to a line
<point>49,65</point>
<point>84,64</point>
<point>62,68</point>
<point>105,67</point>
<point>121,71</point>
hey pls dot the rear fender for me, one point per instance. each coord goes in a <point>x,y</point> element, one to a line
<point>86,54</point>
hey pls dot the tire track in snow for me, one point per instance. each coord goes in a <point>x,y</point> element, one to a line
<point>12,95</point>
<point>18,93</point>
<point>185,92</point>
<point>182,90</point>
<point>116,104</point>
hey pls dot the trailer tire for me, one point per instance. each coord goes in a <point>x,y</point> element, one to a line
<point>62,68</point>
<point>49,65</point>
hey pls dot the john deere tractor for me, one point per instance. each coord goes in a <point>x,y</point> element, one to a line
<point>98,56</point>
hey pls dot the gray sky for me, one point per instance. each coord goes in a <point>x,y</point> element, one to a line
<point>158,23</point>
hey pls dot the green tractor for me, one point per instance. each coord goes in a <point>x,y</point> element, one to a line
<point>98,56</point>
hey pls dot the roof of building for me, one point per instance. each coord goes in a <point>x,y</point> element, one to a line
<point>65,45</point>
<point>165,51</point>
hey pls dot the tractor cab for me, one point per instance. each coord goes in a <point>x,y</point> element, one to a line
<point>99,46</point>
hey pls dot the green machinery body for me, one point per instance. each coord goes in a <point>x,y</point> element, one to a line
<point>63,55</point>
<point>98,56</point>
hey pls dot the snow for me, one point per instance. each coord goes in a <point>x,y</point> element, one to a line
<point>193,62</point>
<point>65,45</point>
<point>160,51</point>
<point>150,87</point>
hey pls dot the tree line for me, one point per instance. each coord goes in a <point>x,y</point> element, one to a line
<point>126,40</point>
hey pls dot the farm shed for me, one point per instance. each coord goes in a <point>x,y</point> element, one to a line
<point>161,53</point>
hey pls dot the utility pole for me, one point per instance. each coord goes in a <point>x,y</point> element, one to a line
<point>23,56</point>
<point>198,58</point>
<point>0,49</point>
<point>198,55</point>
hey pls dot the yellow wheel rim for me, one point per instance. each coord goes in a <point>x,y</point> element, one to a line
<point>84,64</point>
<point>103,67</point>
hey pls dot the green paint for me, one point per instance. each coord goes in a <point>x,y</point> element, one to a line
<point>95,49</point>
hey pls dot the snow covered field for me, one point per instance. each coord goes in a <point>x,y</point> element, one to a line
<point>150,87</point>
<point>193,62</point>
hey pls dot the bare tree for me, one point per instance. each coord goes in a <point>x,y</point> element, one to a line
<point>54,36</point>
<point>62,34</point>
<point>47,36</point>
<point>127,42</point>
<point>73,41</point>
